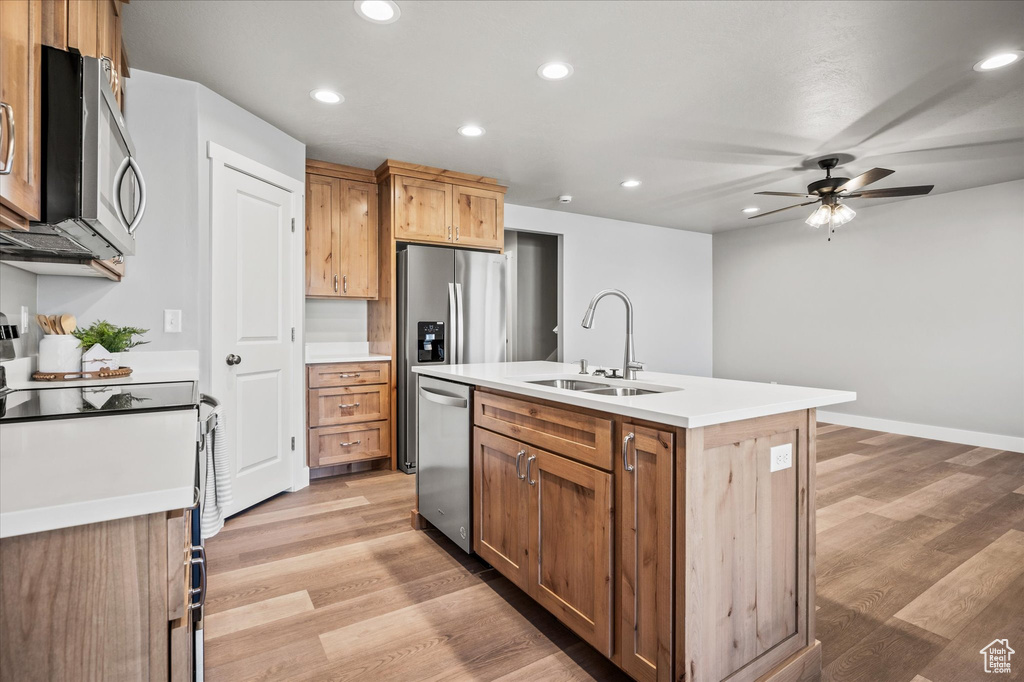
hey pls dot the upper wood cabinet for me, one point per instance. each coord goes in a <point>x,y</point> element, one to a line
<point>89,27</point>
<point>341,232</point>
<point>435,206</point>
<point>478,216</point>
<point>645,535</point>
<point>20,133</point>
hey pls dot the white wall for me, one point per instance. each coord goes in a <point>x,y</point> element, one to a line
<point>172,121</point>
<point>329,320</point>
<point>162,116</point>
<point>666,273</point>
<point>18,288</point>
<point>917,305</point>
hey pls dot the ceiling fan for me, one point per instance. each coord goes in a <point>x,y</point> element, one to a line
<point>832,191</point>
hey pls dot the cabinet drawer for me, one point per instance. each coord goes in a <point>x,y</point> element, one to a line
<point>341,444</point>
<point>337,406</point>
<point>581,436</point>
<point>348,374</point>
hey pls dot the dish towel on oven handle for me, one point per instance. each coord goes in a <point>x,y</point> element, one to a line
<point>218,479</point>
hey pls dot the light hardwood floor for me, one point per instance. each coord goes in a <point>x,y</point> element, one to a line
<point>920,565</point>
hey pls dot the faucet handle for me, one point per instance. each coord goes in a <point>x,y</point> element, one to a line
<point>583,366</point>
<point>638,366</point>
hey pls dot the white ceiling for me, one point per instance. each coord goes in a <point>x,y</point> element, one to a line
<point>706,102</point>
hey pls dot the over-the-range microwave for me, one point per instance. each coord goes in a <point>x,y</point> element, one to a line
<point>93,192</point>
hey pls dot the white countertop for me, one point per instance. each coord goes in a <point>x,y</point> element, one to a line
<point>327,352</point>
<point>70,472</point>
<point>703,401</point>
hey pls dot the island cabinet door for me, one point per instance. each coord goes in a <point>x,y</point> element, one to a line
<point>501,506</point>
<point>571,544</point>
<point>645,499</point>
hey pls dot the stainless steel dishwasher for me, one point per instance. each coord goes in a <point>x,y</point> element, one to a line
<point>442,476</point>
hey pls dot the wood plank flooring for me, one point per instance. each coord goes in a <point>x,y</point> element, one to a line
<point>920,565</point>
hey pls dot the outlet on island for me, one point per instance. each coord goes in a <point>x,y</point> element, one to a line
<point>782,457</point>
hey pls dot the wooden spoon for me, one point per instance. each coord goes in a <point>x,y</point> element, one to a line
<point>68,323</point>
<point>55,325</point>
<point>44,322</point>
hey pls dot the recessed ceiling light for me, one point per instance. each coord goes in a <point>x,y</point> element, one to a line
<point>326,96</point>
<point>997,61</point>
<point>471,131</point>
<point>378,11</point>
<point>555,71</point>
<point>630,183</point>
<point>751,209</point>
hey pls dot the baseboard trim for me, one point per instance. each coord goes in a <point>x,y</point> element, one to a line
<point>975,438</point>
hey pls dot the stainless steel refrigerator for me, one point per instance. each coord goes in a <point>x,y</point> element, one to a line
<point>451,310</point>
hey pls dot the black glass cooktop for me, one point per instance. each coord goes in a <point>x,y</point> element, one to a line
<point>89,401</point>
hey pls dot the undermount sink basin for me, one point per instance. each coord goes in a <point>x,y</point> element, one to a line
<point>621,391</point>
<point>570,384</point>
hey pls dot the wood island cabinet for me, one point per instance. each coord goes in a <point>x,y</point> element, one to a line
<point>681,557</point>
<point>341,232</point>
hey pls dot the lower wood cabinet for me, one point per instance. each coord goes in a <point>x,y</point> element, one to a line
<point>645,505</point>
<point>104,601</point>
<point>348,414</point>
<point>501,508</point>
<point>545,523</point>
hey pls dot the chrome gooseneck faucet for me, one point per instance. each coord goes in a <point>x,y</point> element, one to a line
<point>629,364</point>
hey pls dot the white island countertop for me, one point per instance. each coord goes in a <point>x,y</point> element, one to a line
<point>695,402</point>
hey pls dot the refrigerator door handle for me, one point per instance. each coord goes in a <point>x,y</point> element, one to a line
<point>459,338</point>
<point>453,327</point>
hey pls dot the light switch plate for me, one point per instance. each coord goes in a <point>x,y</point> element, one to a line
<point>172,321</point>
<point>782,457</point>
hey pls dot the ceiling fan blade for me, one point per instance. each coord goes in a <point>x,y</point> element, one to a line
<point>761,215</point>
<point>785,194</point>
<point>873,175</point>
<point>891,192</point>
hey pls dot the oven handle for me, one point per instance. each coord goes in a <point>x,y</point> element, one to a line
<point>200,591</point>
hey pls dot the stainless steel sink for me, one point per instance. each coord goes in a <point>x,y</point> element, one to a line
<point>569,384</point>
<point>621,391</point>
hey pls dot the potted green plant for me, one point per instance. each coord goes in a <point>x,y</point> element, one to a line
<point>102,344</point>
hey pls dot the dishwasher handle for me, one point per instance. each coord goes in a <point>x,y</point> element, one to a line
<point>442,399</point>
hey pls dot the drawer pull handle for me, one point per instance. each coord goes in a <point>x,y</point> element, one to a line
<point>345,406</point>
<point>349,376</point>
<point>350,443</point>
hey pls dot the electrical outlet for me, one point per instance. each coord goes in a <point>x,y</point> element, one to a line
<point>172,321</point>
<point>782,457</point>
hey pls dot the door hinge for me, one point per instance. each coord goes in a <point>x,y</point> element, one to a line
<point>293,224</point>
<point>293,333</point>
<point>293,443</point>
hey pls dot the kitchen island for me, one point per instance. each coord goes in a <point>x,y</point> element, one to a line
<point>667,520</point>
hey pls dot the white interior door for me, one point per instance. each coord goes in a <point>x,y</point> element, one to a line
<point>253,315</point>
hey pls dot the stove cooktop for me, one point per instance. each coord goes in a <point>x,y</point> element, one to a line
<point>38,404</point>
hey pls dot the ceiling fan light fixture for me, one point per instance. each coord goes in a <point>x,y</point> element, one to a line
<point>842,214</point>
<point>821,216</point>
<point>998,61</point>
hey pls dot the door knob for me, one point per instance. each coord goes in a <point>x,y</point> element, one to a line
<point>233,359</point>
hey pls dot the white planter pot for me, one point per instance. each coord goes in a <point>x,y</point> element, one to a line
<point>59,353</point>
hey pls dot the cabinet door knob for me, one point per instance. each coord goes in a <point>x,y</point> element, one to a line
<point>233,359</point>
